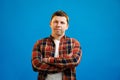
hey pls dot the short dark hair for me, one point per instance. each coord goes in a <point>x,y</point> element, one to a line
<point>60,13</point>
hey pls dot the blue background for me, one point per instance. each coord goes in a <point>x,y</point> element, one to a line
<point>95,23</point>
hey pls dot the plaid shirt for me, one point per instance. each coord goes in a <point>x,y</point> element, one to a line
<point>66,64</point>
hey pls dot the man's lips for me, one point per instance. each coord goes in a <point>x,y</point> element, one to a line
<point>57,29</point>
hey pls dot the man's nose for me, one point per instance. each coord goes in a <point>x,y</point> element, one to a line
<point>58,24</point>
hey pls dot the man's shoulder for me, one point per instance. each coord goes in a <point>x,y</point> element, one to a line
<point>44,39</point>
<point>71,38</point>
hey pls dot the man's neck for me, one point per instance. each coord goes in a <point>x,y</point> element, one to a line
<point>57,37</point>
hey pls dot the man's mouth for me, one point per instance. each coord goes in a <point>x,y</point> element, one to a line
<point>57,29</point>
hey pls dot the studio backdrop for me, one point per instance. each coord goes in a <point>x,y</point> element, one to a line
<point>95,23</point>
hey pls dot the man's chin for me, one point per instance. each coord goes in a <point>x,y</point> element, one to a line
<point>59,34</point>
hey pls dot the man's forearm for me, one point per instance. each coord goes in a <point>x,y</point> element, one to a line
<point>64,62</point>
<point>42,66</point>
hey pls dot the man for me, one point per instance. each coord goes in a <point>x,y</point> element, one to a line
<point>56,57</point>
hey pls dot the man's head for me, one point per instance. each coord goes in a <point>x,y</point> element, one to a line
<point>62,14</point>
<point>59,23</point>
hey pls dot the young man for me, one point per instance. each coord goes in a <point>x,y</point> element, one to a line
<point>56,57</point>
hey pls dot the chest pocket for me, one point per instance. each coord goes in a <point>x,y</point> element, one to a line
<point>66,47</point>
<point>47,51</point>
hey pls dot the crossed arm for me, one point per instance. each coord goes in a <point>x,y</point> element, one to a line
<point>56,64</point>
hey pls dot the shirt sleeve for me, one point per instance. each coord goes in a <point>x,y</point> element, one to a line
<point>67,61</point>
<point>37,63</point>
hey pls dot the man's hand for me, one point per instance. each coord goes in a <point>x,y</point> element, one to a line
<point>44,60</point>
<point>70,55</point>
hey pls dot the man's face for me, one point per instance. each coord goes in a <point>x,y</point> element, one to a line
<point>58,25</point>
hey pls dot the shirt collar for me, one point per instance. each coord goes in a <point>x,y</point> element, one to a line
<point>63,38</point>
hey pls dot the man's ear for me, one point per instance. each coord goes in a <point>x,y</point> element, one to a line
<point>67,26</point>
<point>50,24</point>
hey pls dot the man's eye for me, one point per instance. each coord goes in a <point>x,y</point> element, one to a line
<point>62,23</point>
<point>55,21</point>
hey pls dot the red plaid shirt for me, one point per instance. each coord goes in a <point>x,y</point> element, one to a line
<point>66,64</point>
